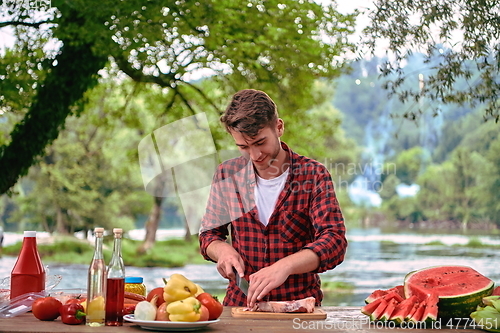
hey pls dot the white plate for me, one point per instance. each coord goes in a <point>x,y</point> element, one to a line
<point>169,325</point>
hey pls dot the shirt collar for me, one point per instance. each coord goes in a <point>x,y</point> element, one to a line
<point>250,172</point>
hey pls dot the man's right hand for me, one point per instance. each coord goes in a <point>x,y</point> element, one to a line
<point>226,257</point>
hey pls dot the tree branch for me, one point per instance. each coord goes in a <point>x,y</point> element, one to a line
<point>163,80</point>
<point>26,24</point>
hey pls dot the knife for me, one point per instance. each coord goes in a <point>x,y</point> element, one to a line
<point>242,283</point>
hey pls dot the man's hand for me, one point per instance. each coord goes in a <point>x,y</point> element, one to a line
<point>227,258</point>
<point>265,280</point>
<point>271,277</point>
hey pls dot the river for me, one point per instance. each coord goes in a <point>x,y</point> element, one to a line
<point>374,260</point>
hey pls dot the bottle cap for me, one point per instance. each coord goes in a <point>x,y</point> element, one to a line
<point>99,229</point>
<point>133,279</point>
<point>118,232</point>
<point>30,234</point>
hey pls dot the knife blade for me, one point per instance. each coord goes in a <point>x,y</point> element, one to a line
<point>242,283</point>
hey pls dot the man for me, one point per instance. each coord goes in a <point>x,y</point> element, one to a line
<point>286,223</point>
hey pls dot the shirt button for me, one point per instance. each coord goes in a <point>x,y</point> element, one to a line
<point>265,232</point>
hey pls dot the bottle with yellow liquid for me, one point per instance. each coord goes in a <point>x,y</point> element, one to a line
<point>96,291</point>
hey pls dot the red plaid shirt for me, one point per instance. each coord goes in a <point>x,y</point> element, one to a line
<point>307,216</point>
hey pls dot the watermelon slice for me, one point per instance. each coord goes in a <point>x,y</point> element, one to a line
<point>410,313</point>
<point>431,309</point>
<point>370,307</point>
<point>391,306</point>
<point>381,292</point>
<point>403,308</point>
<point>417,315</point>
<point>459,288</point>
<point>377,313</point>
<point>496,291</point>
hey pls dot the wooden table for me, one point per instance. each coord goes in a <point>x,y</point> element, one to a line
<point>339,319</point>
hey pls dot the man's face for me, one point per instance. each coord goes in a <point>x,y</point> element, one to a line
<point>263,149</point>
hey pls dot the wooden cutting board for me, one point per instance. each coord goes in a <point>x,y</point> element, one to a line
<point>241,313</point>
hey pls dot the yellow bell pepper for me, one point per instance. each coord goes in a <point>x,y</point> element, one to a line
<point>178,287</point>
<point>184,310</point>
<point>199,291</point>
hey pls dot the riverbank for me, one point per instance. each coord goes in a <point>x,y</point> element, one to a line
<point>170,250</point>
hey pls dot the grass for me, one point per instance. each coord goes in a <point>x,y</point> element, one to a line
<point>435,243</point>
<point>337,286</point>
<point>71,250</point>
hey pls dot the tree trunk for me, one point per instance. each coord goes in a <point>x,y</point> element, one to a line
<point>65,84</point>
<point>61,222</point>
<point>152,226</point>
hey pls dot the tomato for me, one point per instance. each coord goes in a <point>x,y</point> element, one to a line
<point>156,291</point>
<point>76,300</point>
<point>204,313</point>
<point>213,305</point>
<point>46,308</point>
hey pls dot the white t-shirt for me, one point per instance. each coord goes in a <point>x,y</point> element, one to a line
<point>267,192</point>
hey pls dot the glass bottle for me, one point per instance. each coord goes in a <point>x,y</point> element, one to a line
<point>115,286</point>
<point>96,290</point>
<point>28,273</point>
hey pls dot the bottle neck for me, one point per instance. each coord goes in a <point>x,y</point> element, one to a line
<point>98,248</point>
<point>117,248</point>
<point>116,268</point>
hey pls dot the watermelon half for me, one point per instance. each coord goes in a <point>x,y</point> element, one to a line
<point>459,288</point>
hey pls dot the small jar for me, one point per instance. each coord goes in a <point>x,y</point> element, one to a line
<point>135,285</point>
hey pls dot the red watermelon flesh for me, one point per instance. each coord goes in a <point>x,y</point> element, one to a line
<point>496,291</point>
<point>410,314</point>
<point>381,292</point>
<point>391,306</point>
<point>459,288</point>
<point>417,315</point>
<point>370,307</point>
<point>431,309</point>
<point>403,308</point>
<point>377,313</point>
<point>444,281</point>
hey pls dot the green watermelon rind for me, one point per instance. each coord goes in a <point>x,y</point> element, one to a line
<point>459,306</point>
<point>463,306</point>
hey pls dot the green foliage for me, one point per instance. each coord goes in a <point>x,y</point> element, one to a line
<point>337,286</point>
<point>403,209</point>
<point>462,35</point>
<point>409,163</point>
<point>166,44</point>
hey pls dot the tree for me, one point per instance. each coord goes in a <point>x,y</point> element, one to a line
<point>89,176</point>
<point>278,46</point>
<point>462,34</point>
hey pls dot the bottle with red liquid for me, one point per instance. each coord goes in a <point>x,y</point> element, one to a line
<point>115,285</point>
<point>28,274</point>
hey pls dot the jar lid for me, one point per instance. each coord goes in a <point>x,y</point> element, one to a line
<point>30,234</point>
<point>133,279</point>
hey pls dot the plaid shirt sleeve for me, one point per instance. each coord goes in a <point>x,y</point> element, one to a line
<point>214,225</point>
<point>329,242</point>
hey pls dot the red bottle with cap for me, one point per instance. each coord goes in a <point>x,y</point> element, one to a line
<point>28,274</point>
